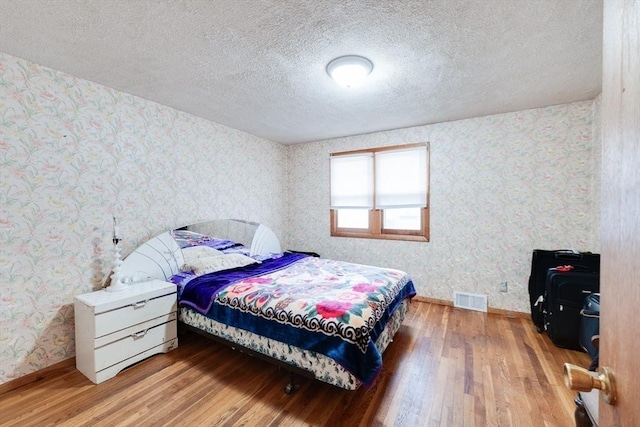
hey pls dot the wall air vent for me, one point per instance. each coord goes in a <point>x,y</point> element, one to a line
<point>469,301</point>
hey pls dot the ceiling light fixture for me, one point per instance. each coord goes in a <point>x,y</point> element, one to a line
<point>349,70</point>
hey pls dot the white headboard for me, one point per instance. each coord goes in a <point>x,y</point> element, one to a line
<point>161,257</point>
<point>264,241</point>
<point>158,258</point>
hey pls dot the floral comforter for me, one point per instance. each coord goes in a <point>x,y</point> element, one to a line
<point>331,307</point>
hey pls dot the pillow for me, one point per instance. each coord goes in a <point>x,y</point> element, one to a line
<point>192,253</point>
<point>212,264</point>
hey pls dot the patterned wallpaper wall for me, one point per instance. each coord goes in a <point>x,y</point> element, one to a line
<point>72,153</point>
<point>501,186</point>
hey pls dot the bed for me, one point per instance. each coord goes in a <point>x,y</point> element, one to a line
<point>326,319</point>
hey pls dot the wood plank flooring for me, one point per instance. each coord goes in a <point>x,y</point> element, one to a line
<point>446,367</point>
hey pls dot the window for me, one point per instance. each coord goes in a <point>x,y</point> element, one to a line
<point>381,193</point>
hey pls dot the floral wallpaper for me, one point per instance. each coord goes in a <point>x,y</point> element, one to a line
<point>73,153</point>
<point>501,186</point>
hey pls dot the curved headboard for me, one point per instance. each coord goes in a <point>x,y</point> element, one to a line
<point>158,258</point>
<point>161,256</point>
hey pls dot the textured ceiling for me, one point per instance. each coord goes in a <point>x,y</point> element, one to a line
<point>259,65</point>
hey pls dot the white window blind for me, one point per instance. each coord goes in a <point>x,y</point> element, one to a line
<point>352,181</point>
<point>401,178</point>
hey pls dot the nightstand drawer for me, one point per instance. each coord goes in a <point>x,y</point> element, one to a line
<point>143,339</point>
<point>137,312</point>
<point>133,330</point>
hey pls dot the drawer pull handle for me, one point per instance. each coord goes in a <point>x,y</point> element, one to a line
<point>139,304</point>
<point>139,335</point>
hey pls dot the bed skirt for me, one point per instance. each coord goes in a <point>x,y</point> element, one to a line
<point>318,365</point>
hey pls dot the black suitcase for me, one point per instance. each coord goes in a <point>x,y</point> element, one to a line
<point>563,301</point>
<point>541,261</point>
<point>590,327</point>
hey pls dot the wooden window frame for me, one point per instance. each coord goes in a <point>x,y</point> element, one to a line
<point>376,230</point>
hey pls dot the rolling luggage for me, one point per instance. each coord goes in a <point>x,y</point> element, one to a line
<point>590,327</point>
<point>566,289</point>
<point>541,261</point>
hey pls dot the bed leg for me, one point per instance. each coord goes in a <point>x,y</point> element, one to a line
<point>292,386</point>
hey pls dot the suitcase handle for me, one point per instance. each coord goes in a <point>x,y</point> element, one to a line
<point>568,254</point>
<point>589,313</point>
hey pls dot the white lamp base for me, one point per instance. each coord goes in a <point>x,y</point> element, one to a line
<point>116,287</point>
<point>116,284</point>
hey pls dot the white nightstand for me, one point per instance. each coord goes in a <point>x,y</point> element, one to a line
<point>117,329</point>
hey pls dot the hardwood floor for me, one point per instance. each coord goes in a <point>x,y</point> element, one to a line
<point>446,367</point>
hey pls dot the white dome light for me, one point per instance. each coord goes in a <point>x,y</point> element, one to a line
<point>349,70</point>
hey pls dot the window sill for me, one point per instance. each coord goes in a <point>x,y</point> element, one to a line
<point>410,238</point>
